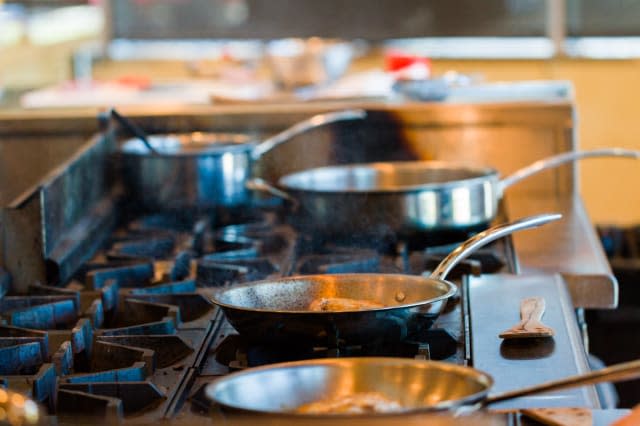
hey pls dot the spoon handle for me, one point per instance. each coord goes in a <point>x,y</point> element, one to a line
<point>133,129</point>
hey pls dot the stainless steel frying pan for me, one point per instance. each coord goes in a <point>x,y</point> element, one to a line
<point>404,197</point>
<point>419,386</point>
<point>276,310</point>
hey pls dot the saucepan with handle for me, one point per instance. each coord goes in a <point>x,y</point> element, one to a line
<point>359,308</point>
<point>201,170</point>
<point>409,197</point>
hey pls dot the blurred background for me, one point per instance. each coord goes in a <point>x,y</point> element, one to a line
<point>593,44</point>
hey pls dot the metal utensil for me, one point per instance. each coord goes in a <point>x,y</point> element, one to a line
<point>278,310</point>
<point>530,325</point>
<point>203,170</point>
<point>406,198</point>
<point>417,385</point>
<point>133,129</point>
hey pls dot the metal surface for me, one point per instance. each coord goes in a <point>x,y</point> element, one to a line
<point>25,160</point>
<point>614,373</point>
<point>391,198</point>
<point>518,364</point>
<point>44,222</point>
<point>189,170</point>
<point>280,309</point>
<point>202,170</point>
<point>571,248</point>
<point>415,384</point>
<point>407,197</point>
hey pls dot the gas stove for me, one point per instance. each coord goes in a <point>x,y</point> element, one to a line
<point>111,317</point>
<point>132,329</point>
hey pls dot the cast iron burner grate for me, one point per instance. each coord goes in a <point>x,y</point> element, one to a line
<point>237,353</point>
<point>135,329</point>
<point>387,242</point>
<point>160,248</point>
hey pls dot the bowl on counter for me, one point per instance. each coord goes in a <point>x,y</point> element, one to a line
<point>297,62</point>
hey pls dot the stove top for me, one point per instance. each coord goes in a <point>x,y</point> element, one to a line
<point>132,333</point>
<point>111,316</point>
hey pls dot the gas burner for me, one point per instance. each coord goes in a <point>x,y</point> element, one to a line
<point>155,247</point>
<point>340,261</point>
<point>317,243</point>
<point>237,353</point>
<point>484,261</point>
<point>106,347</point>
<point>267,236</point>
<point>166,222</point>
<point>220,269</point>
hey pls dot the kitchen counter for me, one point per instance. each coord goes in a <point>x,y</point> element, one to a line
<point>509,92</point>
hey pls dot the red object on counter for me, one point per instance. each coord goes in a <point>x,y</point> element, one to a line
<point>395,60</point>
<point>135,82</point>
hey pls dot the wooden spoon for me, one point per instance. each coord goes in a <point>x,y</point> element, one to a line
<point>530,325</point>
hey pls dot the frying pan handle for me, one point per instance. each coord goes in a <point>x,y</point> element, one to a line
<point>485,237</point>
<point>257,184</point>
<point>557,160</point>
<point>615,373</point>
<point>301,127</point>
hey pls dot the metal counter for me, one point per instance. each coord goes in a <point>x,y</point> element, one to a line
<point>569,247</point>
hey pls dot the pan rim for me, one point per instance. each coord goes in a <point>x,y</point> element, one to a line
<point>452,289</point>
<point>485,174</point>
<point>476,398</point>
<point>234,142</point>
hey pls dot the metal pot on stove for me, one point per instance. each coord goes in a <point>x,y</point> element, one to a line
<point>201,170</point>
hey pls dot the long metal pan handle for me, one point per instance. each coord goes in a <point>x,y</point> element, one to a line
<point>557,160</point>
<point>485,237</point>
<point>615,373</point>
<point>257,184</point>
<point>301,127</point>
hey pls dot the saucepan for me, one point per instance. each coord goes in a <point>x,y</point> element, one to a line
<point>201,170</point>
<point>404,198</point>
<point>392,306</point>
<point>397,385</point>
